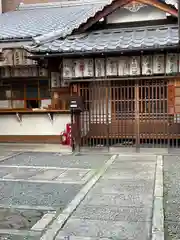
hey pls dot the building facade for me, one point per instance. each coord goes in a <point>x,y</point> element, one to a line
<point>121,57</point>
<point>124,62</point>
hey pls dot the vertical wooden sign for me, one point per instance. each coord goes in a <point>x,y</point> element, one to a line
<point>171,99</point>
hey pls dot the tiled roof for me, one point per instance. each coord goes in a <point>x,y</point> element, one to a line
<point>58,19</point>
<point>113,40</point>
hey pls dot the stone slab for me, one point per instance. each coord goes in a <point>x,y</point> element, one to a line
<point>72,175</point>
<point>114,213</point>
<point>172,231</point>
<point>138,165</point>
<point>18,237</point>
<point>47,174</point>
<point>136,158</point>
<point>12,218</point>
<point>58,160</point>
<point>5,171</point>
<point>106,229</point>
<point>37,194</point>
<point>122,200</point>
<point>123,186</point>
<point>79,238</point>
<point>131,174</point>
<point>172,210</point>
<point>20,173</point>
<point>43,222</point>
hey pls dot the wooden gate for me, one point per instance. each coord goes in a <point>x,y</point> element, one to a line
<point>128,113</point>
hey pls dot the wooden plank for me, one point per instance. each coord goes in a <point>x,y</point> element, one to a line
<point>171,99</point>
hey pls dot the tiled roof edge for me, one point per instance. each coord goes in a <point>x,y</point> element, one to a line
<point>35,49</point>
<point>68,3</point>
<point>62,34</point>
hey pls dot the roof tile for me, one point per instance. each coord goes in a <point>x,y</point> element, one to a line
<point>50,21</point>
<point>113,39</point>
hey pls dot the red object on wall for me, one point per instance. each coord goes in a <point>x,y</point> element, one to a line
<point>66,135</point>
<point>68,131</point>
<point>63,138</point>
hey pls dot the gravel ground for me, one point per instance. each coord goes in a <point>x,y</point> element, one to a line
<point>57,160</point>
<point>33,194</point>
<point>172,197</point>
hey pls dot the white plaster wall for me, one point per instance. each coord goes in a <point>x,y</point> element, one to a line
<point>147,13</point>
<point>33,124</point>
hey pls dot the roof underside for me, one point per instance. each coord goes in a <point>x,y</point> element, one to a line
<point>114,40</point>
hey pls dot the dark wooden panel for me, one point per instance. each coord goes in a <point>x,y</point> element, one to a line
<point>30,139</point>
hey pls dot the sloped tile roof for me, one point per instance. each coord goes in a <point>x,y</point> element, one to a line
<point>113,40</point>
<point>41,19</point>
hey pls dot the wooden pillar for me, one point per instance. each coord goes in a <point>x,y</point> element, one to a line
<point>137,130</point>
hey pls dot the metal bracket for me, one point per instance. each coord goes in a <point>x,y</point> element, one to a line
<point>51,117</point>
<point>19,117</point>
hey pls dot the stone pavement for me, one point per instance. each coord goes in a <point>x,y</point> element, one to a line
<point>35,186</point>
<point>172,197</point>
<point>119,206</point>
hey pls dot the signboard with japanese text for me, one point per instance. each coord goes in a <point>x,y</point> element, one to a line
<point>121,66</point>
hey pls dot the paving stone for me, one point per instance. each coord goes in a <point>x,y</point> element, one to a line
<point>5,171</point>
<point>57,160</point>
<point>172,197</point>
<point>72,175</point>
<point>121,200</point>
<point>139,166</point>
<point>172,210</point>
<point>5,154</point>
<point>33,194</point>
<point>137,158</point>
<point>20,173</point>
<point>18,237</point>
<point>123,186</point>
<point>172,231</point>
<point>108,229</point>
<point>128,174</point>
<point>12,218</point>
<point>47,174</point>
<point>81,238</point>
<point>129,214</point>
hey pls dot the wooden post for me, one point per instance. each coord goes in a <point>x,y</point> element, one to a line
<point>137,132</point>
<point>77,130</point>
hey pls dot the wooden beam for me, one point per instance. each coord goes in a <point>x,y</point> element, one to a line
<point>101,14</point>
<point>162,6</point>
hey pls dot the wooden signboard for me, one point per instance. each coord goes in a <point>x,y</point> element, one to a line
<point>121,66</point>
<point>100,67</point>
<point>171,63</point>
<point>112,67</point>
<point>124,66</point>
<point>31,71</point>
<point>171,99</point>
<point>55,80</point>
<point>7,58</point>
<point>147,65</point>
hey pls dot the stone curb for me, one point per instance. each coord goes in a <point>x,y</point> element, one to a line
<point>158,211</point>
<point>60,220</point>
